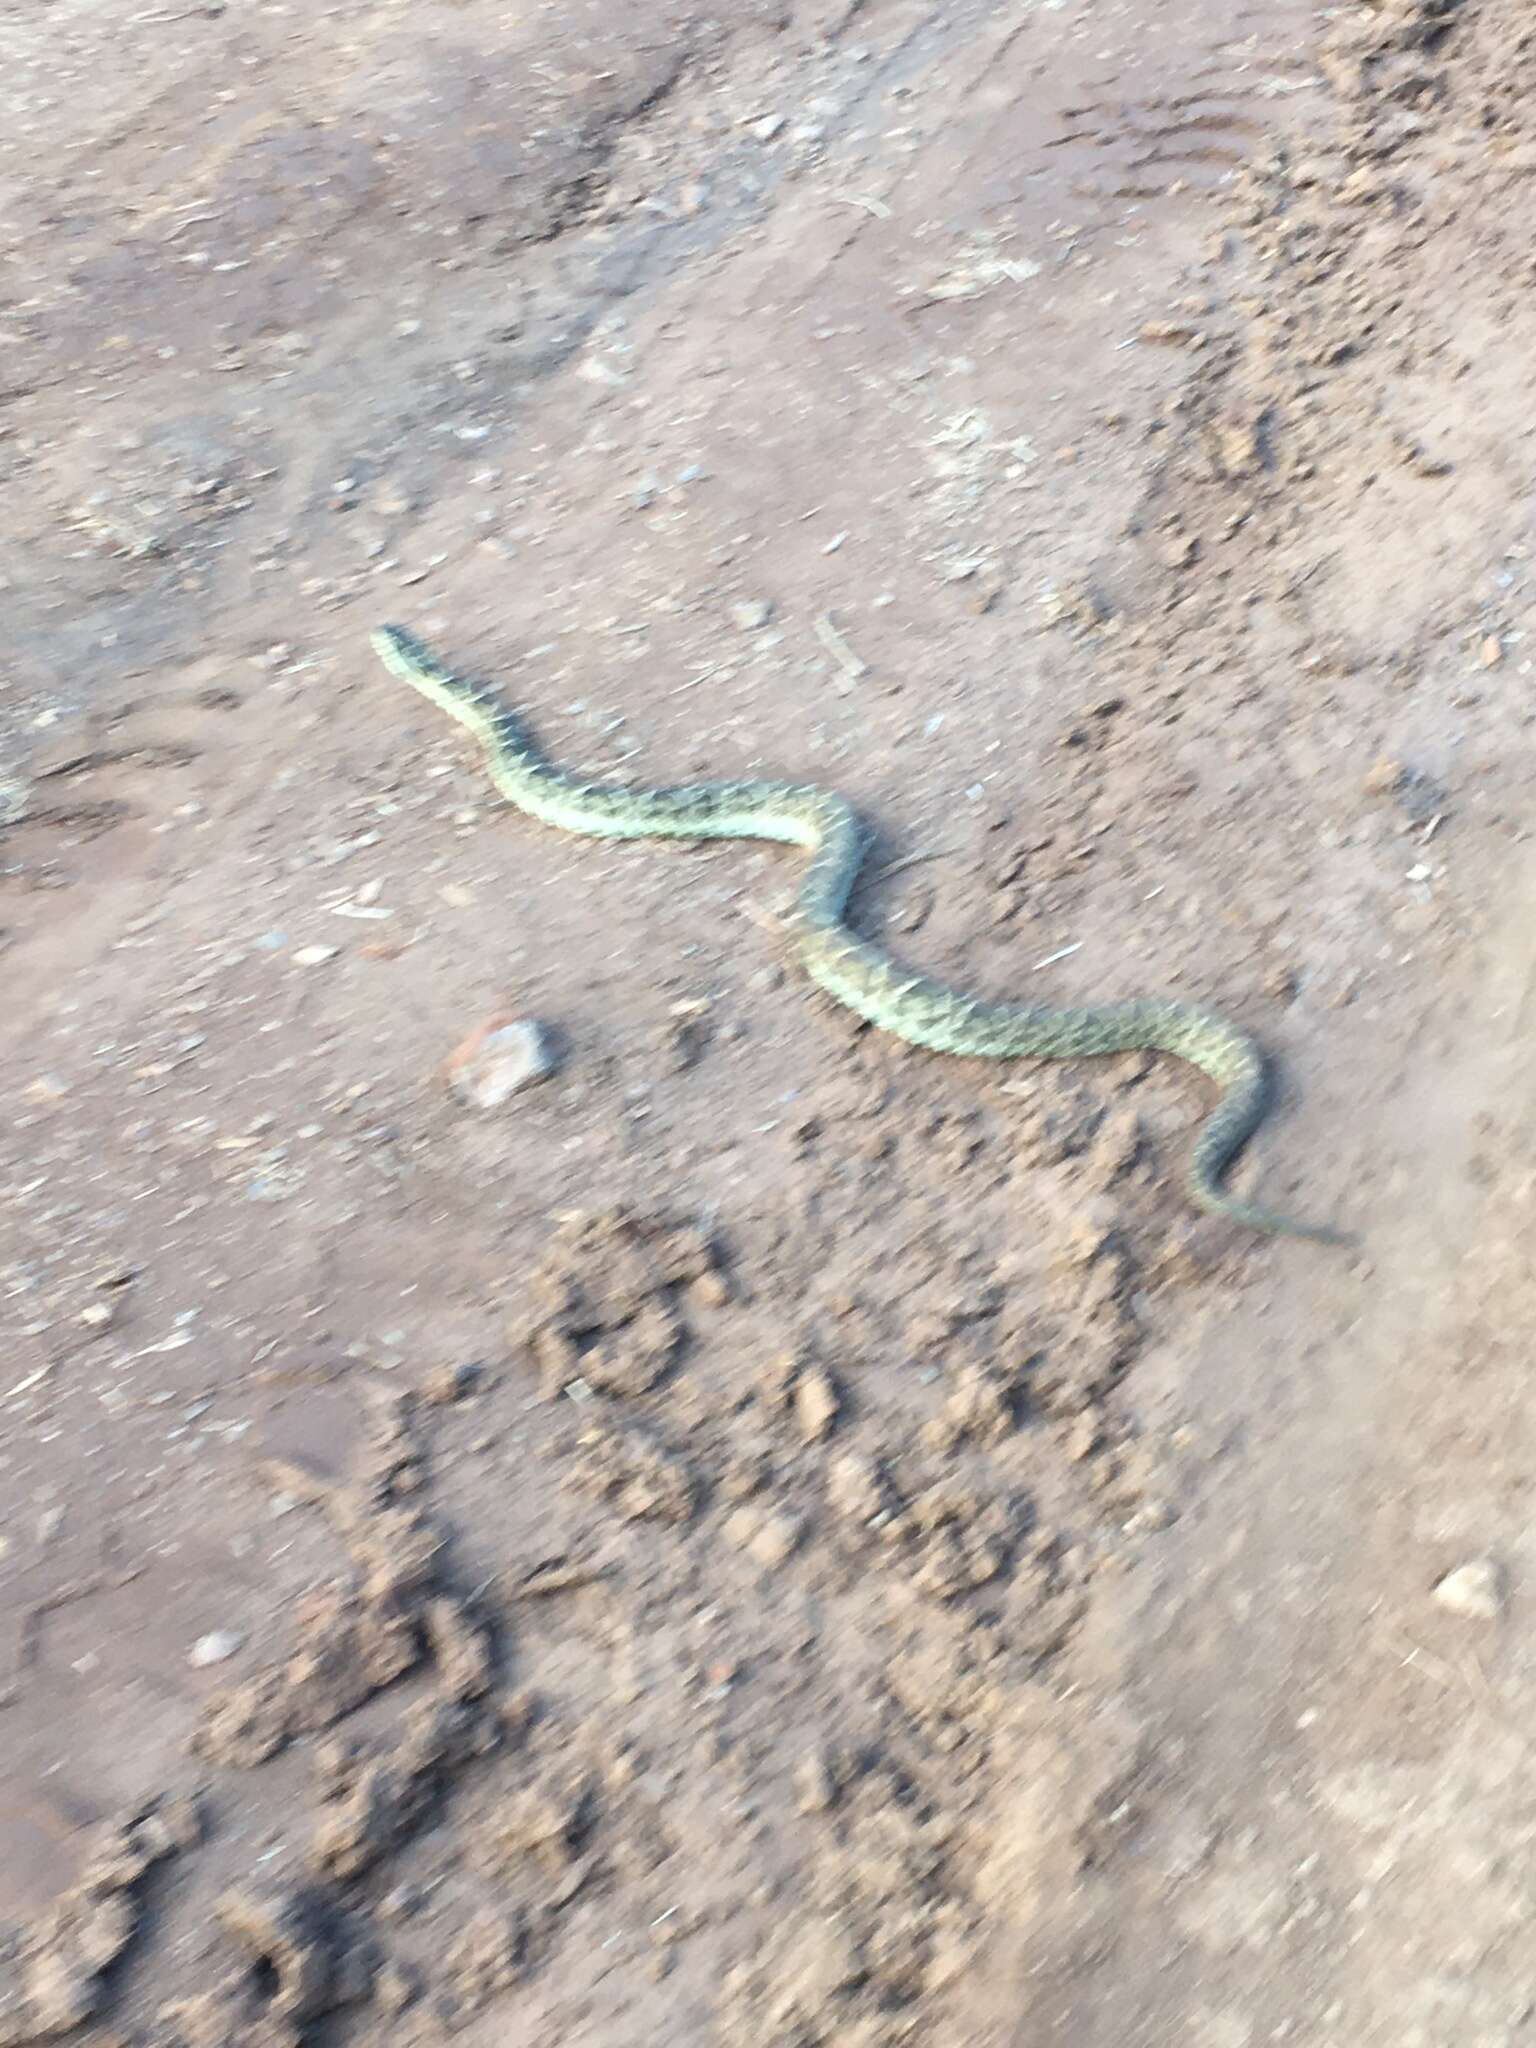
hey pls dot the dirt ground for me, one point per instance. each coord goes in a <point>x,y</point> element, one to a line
<point>763,1536</point>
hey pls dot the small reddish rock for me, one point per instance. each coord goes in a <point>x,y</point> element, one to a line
<point>497,1058</point>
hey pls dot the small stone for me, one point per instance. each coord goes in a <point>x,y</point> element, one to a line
<point>858,1490</point>
<point>752,614</point>
<point>314,956</point>
<point>217,1647</point>
<point>1491,652</point>
<point>401,1902</point>
<point>816,1405</point>
<point>499,1057</point>
<point>1474,1590</point>
<point>816,1788</point>
<point>1385,777</point>
<point>450,1383</point>
<point>1093,1231</point>
<point>1181,550</point>
<point>775,1540</point>
<point>15,797</point>
<point>1421,460</point>
<point>740,1527</point>
<point>1084,1437</point>
<point>768,127</point>
<point>1150,1516</point>
<point>709,1290</point>
<point>395,1988</point>
<point>1361,187</point>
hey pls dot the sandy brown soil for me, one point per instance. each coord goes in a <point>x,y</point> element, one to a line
<point>764,1537</point>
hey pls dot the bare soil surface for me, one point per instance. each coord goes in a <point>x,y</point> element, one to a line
<point>763,1536</point>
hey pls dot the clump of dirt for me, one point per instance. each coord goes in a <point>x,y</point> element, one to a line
<point>303,1949</point>
<point>886,1922</point>
<point>610,1303</point>
<point>644,1477</point>
<point>361,1634</point>
<point>295,1960</point>
<point>370,1803</point>
<point>799,1389</point>
<point>485,1959</point>
<point>53,1975</point>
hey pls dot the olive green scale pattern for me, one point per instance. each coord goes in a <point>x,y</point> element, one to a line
<point>858,975</point>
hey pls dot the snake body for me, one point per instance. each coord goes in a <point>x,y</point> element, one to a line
<point>910,1006</point>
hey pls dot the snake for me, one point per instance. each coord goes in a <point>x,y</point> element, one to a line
<point>865,980</point>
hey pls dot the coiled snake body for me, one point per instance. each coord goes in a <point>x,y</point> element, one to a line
<point>856,974</point>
